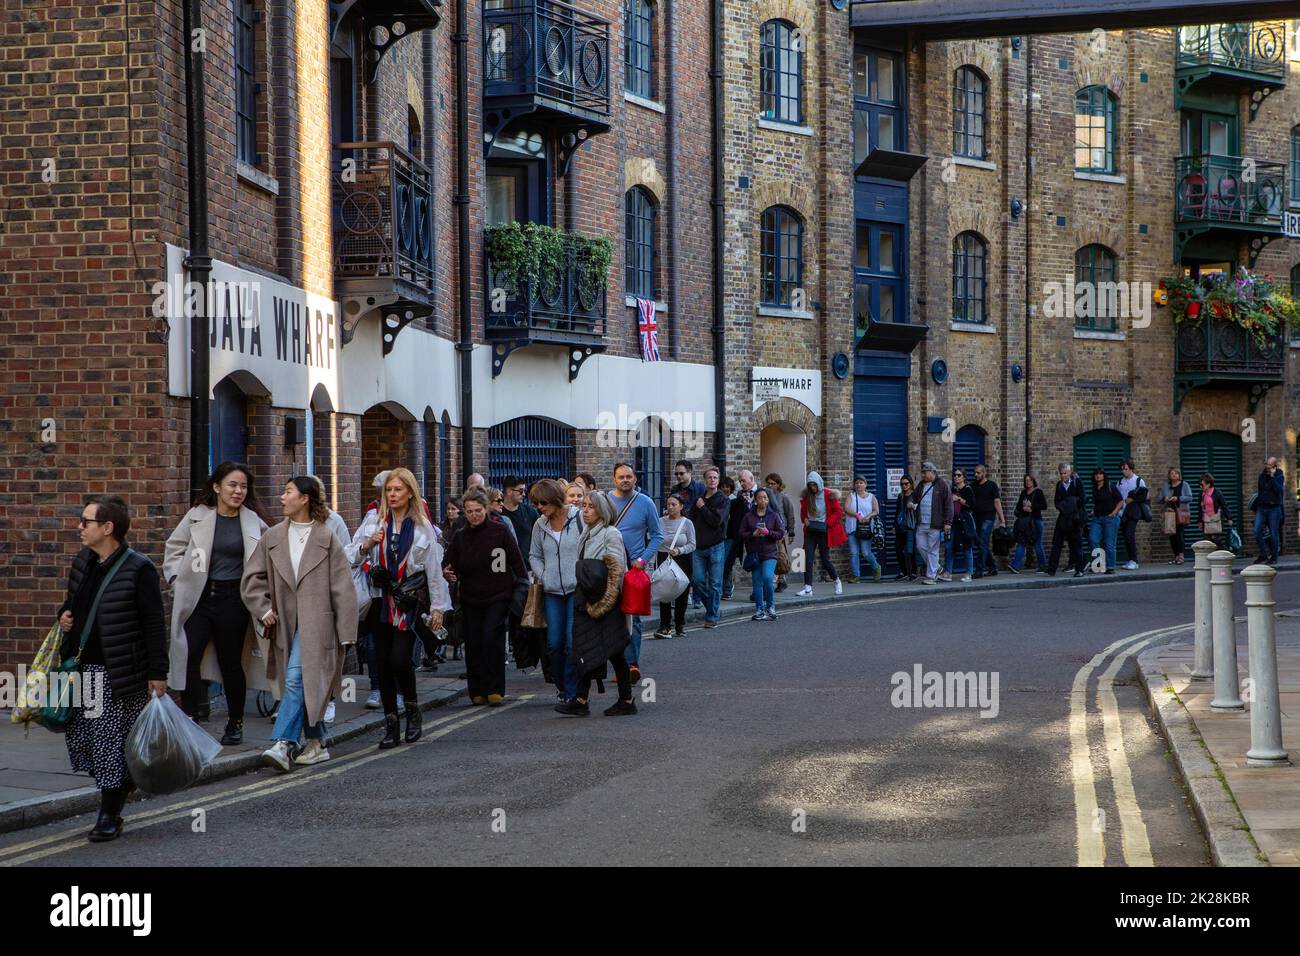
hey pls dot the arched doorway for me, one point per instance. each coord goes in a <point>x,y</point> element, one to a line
<point>1218,453</point>
<point>1101,448</point>
<point>228,437</point>
<point>783,448</point>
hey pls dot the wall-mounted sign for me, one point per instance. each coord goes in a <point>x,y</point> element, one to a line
<point>804,385</point>
<point>1291,224</point>
<point>894,482</point>
<point>260,328</point>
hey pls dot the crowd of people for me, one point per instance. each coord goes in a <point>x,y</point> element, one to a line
<point>276,606</point>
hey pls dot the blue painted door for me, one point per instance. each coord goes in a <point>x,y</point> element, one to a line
<point>880,430</point>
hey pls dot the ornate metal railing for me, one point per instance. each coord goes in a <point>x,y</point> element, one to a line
<point>1258,48</point>
<point>566,304</point>
<point>383,214</point>
<point>546,48</point>
<point>1215,346</point>
<point>1229,189</point>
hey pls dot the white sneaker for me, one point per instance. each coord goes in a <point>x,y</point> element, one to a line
<point>329,713</point>
<point>965,578</point>
<point>805,590</point>
<point>314,752</point>
<point>1131,566</point>
<point>373,702</point>
<point>279,756</point>
<point>945,576</point>
<point>839,586</point>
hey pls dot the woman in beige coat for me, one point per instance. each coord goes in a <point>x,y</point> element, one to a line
<point>299,582</point>
<point>212,636</point>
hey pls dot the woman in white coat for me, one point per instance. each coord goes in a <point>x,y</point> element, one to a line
<point>398,538</point>
<point>212,636</point>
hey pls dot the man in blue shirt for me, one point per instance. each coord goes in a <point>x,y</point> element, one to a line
<point>637,518</point>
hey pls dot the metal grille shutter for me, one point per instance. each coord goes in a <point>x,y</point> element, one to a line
<point>1219,453</point>
<point>1106,449</point>
<point>529,448</point>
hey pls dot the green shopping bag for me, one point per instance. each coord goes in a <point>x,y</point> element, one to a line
<point>46,696</point>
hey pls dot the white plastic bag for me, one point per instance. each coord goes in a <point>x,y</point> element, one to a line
<point>668,580</point>
<point>165,750</point>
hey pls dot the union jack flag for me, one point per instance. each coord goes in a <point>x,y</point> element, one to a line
<point>649,329</point>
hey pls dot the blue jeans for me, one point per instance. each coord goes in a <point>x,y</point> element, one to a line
<point>706,569</point>
<point>633,653</point>
<point>1270,517</point>
<point>1018,561</point>
<point>290,719</point>
<point>861,548</point>
<point>1101,534</point>
<point>765,584</point>
<point>559,643</point>
<point>729,565</point>
<point>983,548</point>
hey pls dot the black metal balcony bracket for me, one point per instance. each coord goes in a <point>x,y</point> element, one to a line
<point>568,144</point>
<point>1257,245</point>
<point>578,356</point>
<point>1231,57</point>
<point>501,351</point>
<point>383,23</point>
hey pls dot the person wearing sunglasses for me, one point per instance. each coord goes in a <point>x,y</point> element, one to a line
<point>112,622</point>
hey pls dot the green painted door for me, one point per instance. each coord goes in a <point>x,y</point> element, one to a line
<point>1218,453</point>
<point>1106,449</point>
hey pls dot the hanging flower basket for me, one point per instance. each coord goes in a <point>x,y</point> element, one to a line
<point>1258,304</point>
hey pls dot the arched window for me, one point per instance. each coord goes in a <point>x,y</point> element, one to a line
<point>1295,166</point>
<point>1094,130</point>
<point>639,242</point>
<point>782,257</point>
<point>970,257</point>
<point>969,111</point>
<point>413,141</point>
<point>530,448</point>
<point>638,47</point>
<point>781,72</point>
<point>1095,292</point>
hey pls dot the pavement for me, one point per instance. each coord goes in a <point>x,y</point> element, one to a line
<point>1251,815</point>
<point>36,786</point>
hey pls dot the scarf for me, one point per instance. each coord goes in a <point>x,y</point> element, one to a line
<point>393,554</point>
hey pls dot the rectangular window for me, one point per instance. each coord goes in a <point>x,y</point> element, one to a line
<point>886,131</point>
<point>863,258</point>
<point>246,89</point>
<point>637,49</point>
<point>1295,166</point>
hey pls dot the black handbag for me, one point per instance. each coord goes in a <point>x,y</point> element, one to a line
<point>412,592</point>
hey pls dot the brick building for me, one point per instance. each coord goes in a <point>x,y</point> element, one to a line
<point>989,177</point>
<point>335,306</point>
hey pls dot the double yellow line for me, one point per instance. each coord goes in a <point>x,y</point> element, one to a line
<point>61,842</point>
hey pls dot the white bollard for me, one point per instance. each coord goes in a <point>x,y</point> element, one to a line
<point>1266,748</point>
<point>1203,663</point>
<point>1226,696</point>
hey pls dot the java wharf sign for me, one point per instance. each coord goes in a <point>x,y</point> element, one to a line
<point>263,331</point>
<point>802,384</point>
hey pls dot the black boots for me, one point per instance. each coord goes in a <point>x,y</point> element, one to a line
<point>414,722</point>
<point>234,735</point>
<point>109,825</point>
<point>392,732</point>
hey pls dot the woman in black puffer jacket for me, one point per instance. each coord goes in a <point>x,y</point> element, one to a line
<point>123,659</point>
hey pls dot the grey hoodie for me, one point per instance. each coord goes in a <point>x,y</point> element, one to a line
<point>817,503</point>
<point>556,566</point>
